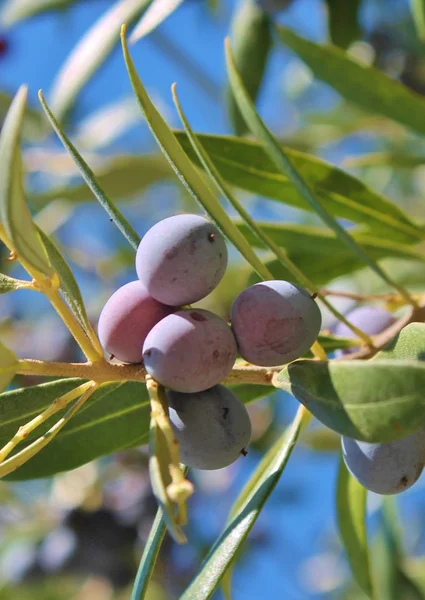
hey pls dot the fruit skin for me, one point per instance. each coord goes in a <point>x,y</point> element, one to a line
<point>371,319</point>
<point>190,351</point>
<point>388,468</point>
<point>274,322</point>
<point>212,427</point>
<point>181,259</point>
<point>126,319</point>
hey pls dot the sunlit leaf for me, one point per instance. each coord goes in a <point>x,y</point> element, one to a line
<point>366,86</point>
<point>14,212</point>
<point>284,164</point>
<point>158,11</point>
<point>90,53</point>
<point>184,169</point>
<point>10,284</point>
<point>351,499</point>
<point>246,165</point>
<point>69,288</point>
<point>418,13</point>
<point>115,417</point>
<point>376,401</point>
<point>244,514</point>
<point>117,217</point>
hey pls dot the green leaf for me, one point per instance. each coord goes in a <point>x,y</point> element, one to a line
<point>374,401</point>
<point>385,159</point>
<point>351,499</point>
<point>252,40</point>
<point>120,221</point>
<point>343,21</point>
<point>366,86</point>
<point>90,53</point>
<point>244,514</point>
<point>69,287</point>
<point>185,170</point>
<point>246,165</point>
<point>150,553</point>
<point>248,393</point>
<point>14,212</point>
<point>8,366</point>
<point>418,13</point>
<point>301,243</point>
<point>282,161</point>
<point>10,284</point>
<point>158,11</point>
<point>19,10</point>
<point>115,417</point>
<point>123,176</point>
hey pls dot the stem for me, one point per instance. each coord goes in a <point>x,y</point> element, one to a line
<point>318,351</point>
<point>16,461</point>
<point>57,405</point>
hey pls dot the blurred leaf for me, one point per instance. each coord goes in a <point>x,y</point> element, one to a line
<point>245,164</point>
<point>252,41</point>
<point>351,499</point>
<point>244,513</point>
<point>106,124</point>
<point>69,288</point>
<point>184,169</point>
<point>343,21</point>
<point>385,159</point>
<point>374,401</point>
<point>115,417</point>
<point>120,221</point>
<point>8,365</point>
<point>18,10</point>
<point>89,54</point>
<point>158,11</point>
<point>366,86</point>
<point>150,553</point>
<point>418,14</point>
<point>321,439</point>
<point>284,164</point>
<point>14,213</point>
<point>123,176</point>
<point>248,393</point>
<point>306,240</point>
<point>33,124</point>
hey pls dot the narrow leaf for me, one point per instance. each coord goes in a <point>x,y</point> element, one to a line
<point>366,86</point>
<point>247,510</point>
<point>252,42</point>
<point>158,11</point>
<point>282,161</point>
<point>69,288</point>
<point>185,170</point>
<point>89,177</point>
<point>122,177</point>
<point>92,50</point>
<point>245,164</point>
<point>8,366</point>
<point>150,553</point>
<point>116,417</point>
<point>351,499</point>
<point>14,212</point>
